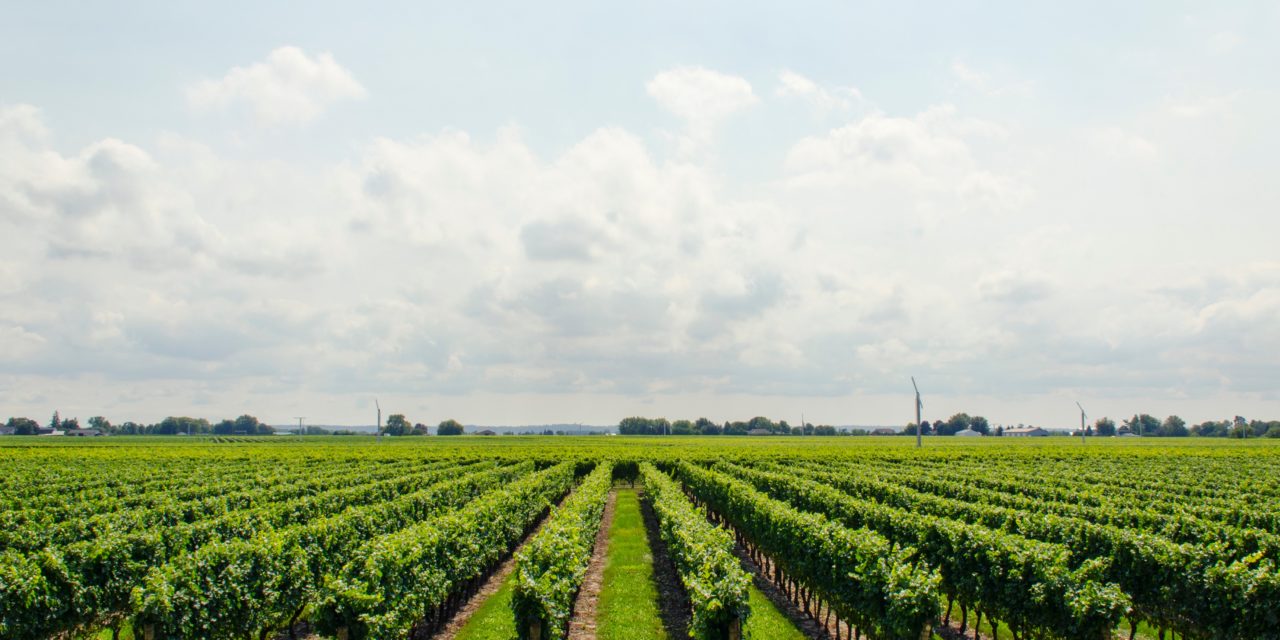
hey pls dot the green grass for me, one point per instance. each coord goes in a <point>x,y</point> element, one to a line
<point>767,622</point>
<point>628,608</point>
<point>493,620</point>
<point>105,634</point>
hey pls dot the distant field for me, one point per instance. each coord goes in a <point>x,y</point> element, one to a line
<point>345,536</point>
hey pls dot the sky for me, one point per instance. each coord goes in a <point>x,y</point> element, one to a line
<point>574,212</point>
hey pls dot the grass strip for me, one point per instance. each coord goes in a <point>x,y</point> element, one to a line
<point>628,607</point>
<point>492,620</point>
<point>767,622</point>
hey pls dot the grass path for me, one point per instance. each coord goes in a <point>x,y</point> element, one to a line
<point>628,608</point>
<point>493,620</point>
<point>766,622</point>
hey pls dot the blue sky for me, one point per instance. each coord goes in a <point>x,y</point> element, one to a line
<point>576,212</point>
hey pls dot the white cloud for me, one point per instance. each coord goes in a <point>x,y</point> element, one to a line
<point>1014,287</point>
<point>925,159</point>
<point>21,121</point>
<point>1224,42</point>
<point>792,84</point>
<point>701,97</point>
<point>985,82</point>
<point>1202,106</point>
<point>1117,143</point>
<point>288,88</point>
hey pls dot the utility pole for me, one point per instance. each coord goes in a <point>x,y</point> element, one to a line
<point>375,403</point>
<point>300,419</point>
<point>919,406</point>
<point>1082,417</point>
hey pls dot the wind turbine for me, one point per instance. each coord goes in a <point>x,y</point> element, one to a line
<point>1082,417</point>
<point>919,406</point>
<point>375,403</point>
<point>300,419</point>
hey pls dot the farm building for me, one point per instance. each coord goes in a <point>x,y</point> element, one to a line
<point>968,433</point>
<point>1025,432</point>
<point>884,431</point>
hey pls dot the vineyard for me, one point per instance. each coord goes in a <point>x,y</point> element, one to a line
<point>852,538</point>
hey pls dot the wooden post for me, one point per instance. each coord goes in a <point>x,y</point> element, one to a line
<point>343,634</point>
<point>149,632</point>
<point>735,629</point>
<point>535,630</point>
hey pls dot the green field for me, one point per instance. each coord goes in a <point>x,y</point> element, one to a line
<point>197,537</point>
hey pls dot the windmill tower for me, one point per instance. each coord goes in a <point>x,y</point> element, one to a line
<point>1082,418</point>
<point>919,407</point>
<point>375,403</point>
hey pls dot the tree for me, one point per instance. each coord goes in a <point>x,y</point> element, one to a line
<point>251,425</point>
<point>449,427</point>
<point>706,427</point>
<point>980,425</point>
<point>397,425</point>
<point>100,423</point>
<point>1173,427</point>
<point>636,426</point>
<point>958,422</point>
<point>70,423</point>
<point>1212,429</point>
<point>682,428</point>
<point>23,426</point>
<point>55,422</point>
<point>420,429</point>
<point>1105,427</point>
<point>1143,425</point>
<point>1000,430</point>
<point>174,425</point>
<point>1274,431</point>
<point>925,427</point>
<point>1240,430</point>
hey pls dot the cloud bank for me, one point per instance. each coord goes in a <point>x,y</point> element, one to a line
<point>470,272</point>
<point>288,88</point>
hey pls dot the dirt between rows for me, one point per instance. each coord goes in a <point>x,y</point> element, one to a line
<point>582,626</point>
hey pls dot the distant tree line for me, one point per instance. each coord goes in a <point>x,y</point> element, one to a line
<point>705,427</point>
<point>1174,427</point>
<point>957,423</point>
<point>172,425</point>
<point>398,425</point>
<point>1140,424</point>
<point>1143,424</point>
